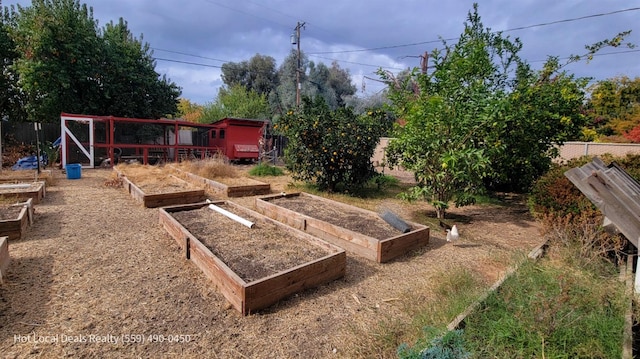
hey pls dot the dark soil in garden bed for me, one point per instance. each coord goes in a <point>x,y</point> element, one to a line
<point>252,253</point>
<point>354,220</point>
<point>8,213</point>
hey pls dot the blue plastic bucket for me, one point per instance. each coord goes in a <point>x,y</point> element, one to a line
<point>74,171</point>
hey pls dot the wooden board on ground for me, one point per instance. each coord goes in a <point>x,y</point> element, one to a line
<point>170,191</point>
<point>249,186</point>
<point>252,267</point>
<point>24,190</point>
<point>4,258</point>
<point>15,218</point>
<point>357,230</point>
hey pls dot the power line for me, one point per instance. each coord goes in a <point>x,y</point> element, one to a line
<point>456,38</point>
<point>573,19</point>
<point>356,63</point>
<point>187,54</point>
<point>187,62</point>
<point>315,54</point>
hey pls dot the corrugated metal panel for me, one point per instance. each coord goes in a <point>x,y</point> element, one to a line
<point>614,192</point>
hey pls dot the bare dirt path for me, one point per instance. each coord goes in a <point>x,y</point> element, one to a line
<point>96,276</point>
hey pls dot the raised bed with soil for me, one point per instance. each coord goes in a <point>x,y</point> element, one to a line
<point>23,190</point>
<point>155,187</point>
<point>15,218</point>
<point>252,267</point>
<point>357,230</point>
<point>230,187</point>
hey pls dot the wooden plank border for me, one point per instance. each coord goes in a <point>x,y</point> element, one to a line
<point>221,189</point>
<point>250,297</point>
<point>16,228</point>
<point>37,193</point>
<point>365,246</point>
<point>4,258</point>
<point>160,199</point>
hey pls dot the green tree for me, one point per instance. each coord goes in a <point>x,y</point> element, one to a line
<point>331,148</point>
<point>236,102</point>
<point>450,114</point>
<point>258,74</point>
<point>130,86</point>
<point>613,107</point>
<point>285,95</point>
<point>59,57</point>
<point>189,111</point>
<point>10,98</point>
<point>545,109</point>
<point>66,64</point>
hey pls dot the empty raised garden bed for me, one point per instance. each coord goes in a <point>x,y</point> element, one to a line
<point>153,187</point>
<point>230,187</point>
<point>252,267</point>
<point>23,190</point>
<point>15,218</point>
<point>357,230</point>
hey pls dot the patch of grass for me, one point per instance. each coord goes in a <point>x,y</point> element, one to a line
<point>453,292</point>
<point>264,169</point>
<point>551,309</point>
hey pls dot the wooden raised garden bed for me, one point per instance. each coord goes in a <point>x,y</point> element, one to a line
<point>252,267</point>
<point>230,187</point>
<point>357,230</point>
<point>155,192</point>
<point>4,257</point>
<point>23,190</point>
<point>15,218</point>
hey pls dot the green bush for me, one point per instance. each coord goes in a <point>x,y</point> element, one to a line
<point>332,149</point>
<point>264,169</point>
<point>569,217</point>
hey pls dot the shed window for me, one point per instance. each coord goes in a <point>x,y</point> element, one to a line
<point>213,133</point>
<point>221,133</point>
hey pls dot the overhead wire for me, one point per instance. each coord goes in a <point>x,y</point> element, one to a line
<point>316,54</point>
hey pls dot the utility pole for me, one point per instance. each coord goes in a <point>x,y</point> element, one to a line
<point>295,40</point>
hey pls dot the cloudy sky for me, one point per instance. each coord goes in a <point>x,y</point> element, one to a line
<point>191,39</point>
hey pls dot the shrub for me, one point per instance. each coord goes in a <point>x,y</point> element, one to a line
<point>568,216</point>
<point>264,169</point>
<point>333,149</point>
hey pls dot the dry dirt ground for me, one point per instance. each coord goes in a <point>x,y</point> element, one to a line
<point>97,276</point>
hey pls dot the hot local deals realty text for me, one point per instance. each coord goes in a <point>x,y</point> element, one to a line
<point>65,338</point>
<point>107,339</point>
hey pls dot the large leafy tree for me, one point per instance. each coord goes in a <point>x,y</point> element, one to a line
<point>613,108</point>
<point>481,118</point>
<point>545,109</point>
<point>66,64</point>
<point>238,102</point>
<point>332,83</point>
<point>189,111</point>
<point>129,84</point>
<point>59,58</point>
<point>10,99</point>
<point>331,148</point>
<point>258,74</point>
<point>450,114</point>
<point>285,95</point>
